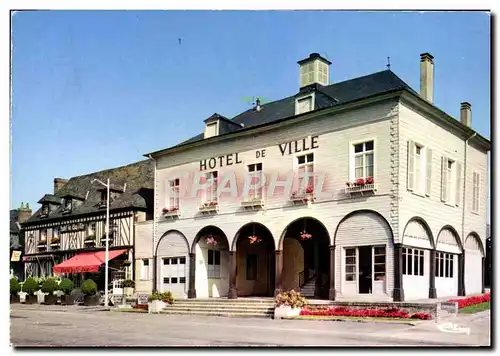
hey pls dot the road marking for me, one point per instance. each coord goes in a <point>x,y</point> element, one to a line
<point>453,328</point>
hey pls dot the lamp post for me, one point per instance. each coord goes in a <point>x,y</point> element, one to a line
<point>106,255</point>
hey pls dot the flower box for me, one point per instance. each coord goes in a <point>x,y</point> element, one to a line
<point>170,212</point>
<point>286,311</point>
<point>156,306</point>
<point>360,188</point>
<point>252,202</point>
<point>209,206</point>
<point>300,197</point>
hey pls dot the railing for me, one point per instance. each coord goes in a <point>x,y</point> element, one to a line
<point>361,188</point>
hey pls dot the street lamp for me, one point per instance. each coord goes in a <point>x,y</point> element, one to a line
<point>106,256</point>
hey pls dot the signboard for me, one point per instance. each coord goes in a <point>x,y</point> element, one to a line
<point>16,256</point>
<point>142,299</point>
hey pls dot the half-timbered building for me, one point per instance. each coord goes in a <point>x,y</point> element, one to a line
<point>70,224</point>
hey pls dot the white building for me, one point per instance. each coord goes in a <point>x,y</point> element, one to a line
<point>414,228</point>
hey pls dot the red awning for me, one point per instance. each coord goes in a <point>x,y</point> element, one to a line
<point>85,262</point>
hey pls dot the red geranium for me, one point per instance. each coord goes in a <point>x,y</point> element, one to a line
<point>468,301</point>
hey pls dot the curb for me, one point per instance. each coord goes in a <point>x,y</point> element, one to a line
<point>411,323</point>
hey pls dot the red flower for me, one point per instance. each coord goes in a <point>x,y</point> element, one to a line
<point>468,301</point>
<point>309,190</point>
<point>360,181</point>
<point>372,313</point>
<point>370,180</point>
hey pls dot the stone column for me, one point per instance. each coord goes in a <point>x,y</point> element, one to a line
<point>432,275</point>
<point>278,272</point>
<point>331,292</point>
<point>233,293</point>
<point>461,270</point>
<point>192,276</point>
<point>483,274</point>
<point>398,292</point>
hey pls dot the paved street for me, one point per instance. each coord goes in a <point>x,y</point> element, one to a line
<point>56,326</point>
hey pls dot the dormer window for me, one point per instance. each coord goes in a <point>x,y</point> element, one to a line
<point>211,129</point>
<point>68,204</point>
<point>304,104</point>
<point>45,210</point>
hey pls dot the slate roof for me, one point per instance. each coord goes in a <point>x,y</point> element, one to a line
<point>138,193</point>
<point>326,96</point>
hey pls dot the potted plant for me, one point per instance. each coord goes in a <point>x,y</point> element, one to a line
<point>289,304</point>
<point>15,288</point>
<point>30,286</point>
<point>66,287</point>
<point>89,288</point>
<point>157,301</point>
<point>49,287</point>
<point>128,287</point>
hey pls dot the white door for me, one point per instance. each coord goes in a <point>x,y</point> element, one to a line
<point>473,272</point>
<point>174,275</point>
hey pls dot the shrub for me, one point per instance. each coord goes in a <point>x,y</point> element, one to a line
<point>66,286</point>
<point>49,286</point>
<point>30,286</point>
<point>14,286</point>
<point>166,297</point>
<point>391,312</point>
<point>291,298</point>
<point>89,287</point>
<point>468,301</point>
<point>128,283</point>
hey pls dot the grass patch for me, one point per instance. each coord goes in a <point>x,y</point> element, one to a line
<point>475,308</point>
<point>353,318</point>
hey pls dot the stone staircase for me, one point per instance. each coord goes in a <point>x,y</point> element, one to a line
<point>307,289</point>
<point>241,307</point>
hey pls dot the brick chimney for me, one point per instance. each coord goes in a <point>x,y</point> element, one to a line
<point>24,213</point>
<point>59,183</point>
<point>465,114</point>
<point>427,77</point>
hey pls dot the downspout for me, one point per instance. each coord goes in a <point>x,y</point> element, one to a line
<point>155,267</point>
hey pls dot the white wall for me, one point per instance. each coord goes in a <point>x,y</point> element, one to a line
<point>143,250</point>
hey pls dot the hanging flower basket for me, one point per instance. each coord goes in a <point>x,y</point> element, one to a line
<point>211,241</point>
<point>305,236</point>
<point>254,238</point>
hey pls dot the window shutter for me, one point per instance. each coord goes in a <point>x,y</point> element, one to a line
<point>444,178</point>
<point>458,180</point>
<point>428,172</point>
<point>411,165</point>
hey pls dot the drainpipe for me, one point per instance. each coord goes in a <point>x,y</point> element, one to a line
<point>155,267</point>
<point>461,266</point>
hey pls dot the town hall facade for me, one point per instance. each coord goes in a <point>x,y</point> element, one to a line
<point>370,193</point>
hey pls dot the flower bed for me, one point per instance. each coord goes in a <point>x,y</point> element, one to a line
<point>140,306</point>
<point>371,313</point>
<point>468,301</point>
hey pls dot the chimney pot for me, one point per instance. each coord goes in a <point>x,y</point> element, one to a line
<point>59,183</point>
<point>466,114</point>
<point>427,77</point>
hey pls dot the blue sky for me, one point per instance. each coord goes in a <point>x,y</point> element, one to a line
<point>98,89</point>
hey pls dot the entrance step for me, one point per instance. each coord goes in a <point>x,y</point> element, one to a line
<point>307,289</point>
<point>223,307</point>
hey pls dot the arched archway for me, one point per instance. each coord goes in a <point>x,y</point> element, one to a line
<point>172,263</point>
<point>449,263</point>
<point>210,272</point>
<point>474,264</point>
<point>305,245</point>
<point>418,256</point>
<point>365,248</point>
<point>253,265</point>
